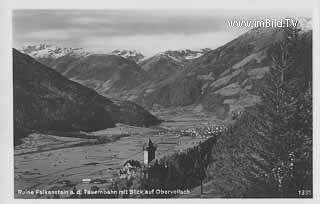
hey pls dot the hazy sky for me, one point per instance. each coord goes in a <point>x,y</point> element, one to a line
<point>149,31</point>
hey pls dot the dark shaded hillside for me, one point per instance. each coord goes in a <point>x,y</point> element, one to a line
<point>45,100</point>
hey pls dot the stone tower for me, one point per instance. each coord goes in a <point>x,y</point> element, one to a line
<point>149,152</point>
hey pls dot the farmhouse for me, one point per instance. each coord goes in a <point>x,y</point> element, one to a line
<point>129,169</point>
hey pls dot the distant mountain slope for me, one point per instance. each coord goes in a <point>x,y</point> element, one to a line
<point>161,66</point>
<point>221,81</point>
<point>167,64</point>
<point>129,54</point>
<point>106,73</point>
<point>112,72</point>
<point>45,100</point>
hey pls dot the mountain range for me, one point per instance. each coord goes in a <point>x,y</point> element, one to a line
<point>219,81</point>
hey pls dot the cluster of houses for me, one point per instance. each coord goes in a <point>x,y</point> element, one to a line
<point>203,132</point>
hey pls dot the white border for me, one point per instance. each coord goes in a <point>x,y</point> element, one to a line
<point>164,4</point>
<point>6,119</point>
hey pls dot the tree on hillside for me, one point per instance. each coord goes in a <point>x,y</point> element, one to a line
<point>287,105</point>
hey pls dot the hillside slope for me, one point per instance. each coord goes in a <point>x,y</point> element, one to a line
<point>221,81</point>
<point>45,100</point>
<point>102,72</point>
<point>161,66</point>
<point>106,73</point>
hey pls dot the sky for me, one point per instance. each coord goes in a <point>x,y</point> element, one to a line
<point>147,31</point>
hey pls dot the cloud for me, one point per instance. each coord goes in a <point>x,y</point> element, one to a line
<point>49,34</point>
<point>88,20</point>
<point>152,44</point>
<point>118,22</point>
<point>148,31</point>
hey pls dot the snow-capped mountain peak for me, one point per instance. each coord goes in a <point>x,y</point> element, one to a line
<point>129,54</point>
<point>178,56</point>
<point>186,54</point>
<point>51,51</point>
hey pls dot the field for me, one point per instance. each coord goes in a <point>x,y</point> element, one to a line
<point>62,160</point>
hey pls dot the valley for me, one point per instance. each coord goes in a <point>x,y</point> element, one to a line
<point>63,165</point>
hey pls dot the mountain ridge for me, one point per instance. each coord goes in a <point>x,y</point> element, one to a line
<point>46,100</point>
<point>221,80</point>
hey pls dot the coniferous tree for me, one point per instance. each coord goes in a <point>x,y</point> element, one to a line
<point>287,101</point>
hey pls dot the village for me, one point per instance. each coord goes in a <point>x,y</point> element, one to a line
<point>131,168</point>
<point>98,167</point>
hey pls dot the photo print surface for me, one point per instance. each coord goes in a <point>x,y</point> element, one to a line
<point>162,104</point>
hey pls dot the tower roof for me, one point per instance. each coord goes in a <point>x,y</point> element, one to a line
<point>149,145</point>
